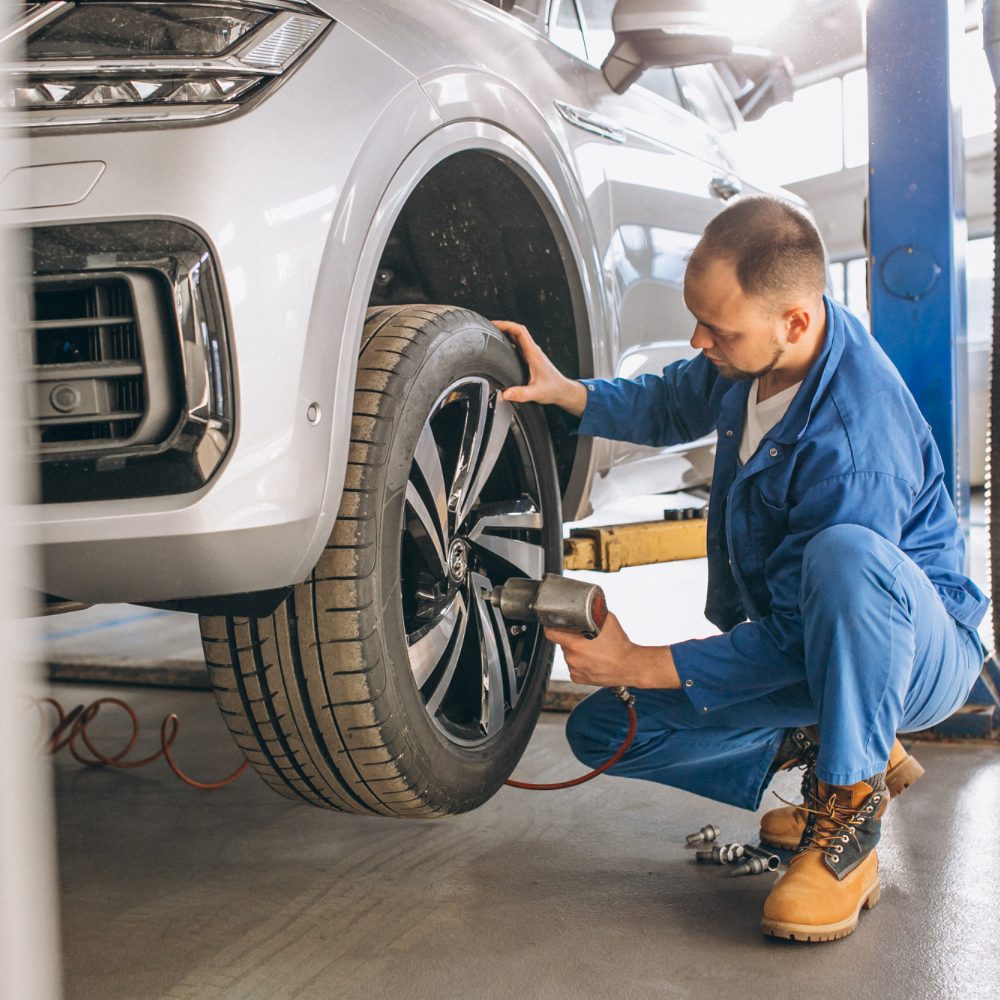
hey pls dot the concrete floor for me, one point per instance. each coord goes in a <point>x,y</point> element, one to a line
<point>173,893</point>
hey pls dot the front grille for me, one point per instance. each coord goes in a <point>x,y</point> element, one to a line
<point>90,384</point>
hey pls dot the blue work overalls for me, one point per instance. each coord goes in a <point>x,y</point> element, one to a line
<point>836,574</point>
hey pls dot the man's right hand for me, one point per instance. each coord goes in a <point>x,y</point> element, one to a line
<point>546,384</point>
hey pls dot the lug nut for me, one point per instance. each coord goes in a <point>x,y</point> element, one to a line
<point>704,836</point>
<point>720,855</point>
<point>756,860</point>
<point>750,866</point>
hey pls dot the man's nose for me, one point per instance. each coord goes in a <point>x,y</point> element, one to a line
<point>701,340</point>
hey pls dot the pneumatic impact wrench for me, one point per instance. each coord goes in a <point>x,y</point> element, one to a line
<point>570,606</point>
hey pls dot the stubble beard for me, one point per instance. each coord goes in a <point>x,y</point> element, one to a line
<point>741,375</point>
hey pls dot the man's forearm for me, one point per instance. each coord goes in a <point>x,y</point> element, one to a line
<point>654,667</point>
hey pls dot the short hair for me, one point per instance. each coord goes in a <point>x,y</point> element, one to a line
<point>776,249</point>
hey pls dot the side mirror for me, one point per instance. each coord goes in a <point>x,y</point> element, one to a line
<point>667,33</point>
<point>758,80</point>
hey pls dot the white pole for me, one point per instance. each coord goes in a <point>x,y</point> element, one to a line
<point>29,922</point>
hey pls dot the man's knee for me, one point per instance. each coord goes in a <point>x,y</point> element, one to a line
<point>590,729</point>
<point>842,543</point>
<point>840,562</point>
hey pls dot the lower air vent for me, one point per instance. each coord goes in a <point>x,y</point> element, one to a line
<point>90,383</point>
<point>90,373</point>
<point>132,390</point>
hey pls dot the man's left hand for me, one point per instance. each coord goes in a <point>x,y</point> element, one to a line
<point>612,658</point>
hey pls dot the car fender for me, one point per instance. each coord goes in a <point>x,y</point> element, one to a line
<point>359,232</point>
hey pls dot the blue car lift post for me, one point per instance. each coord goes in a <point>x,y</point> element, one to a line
<point>916,245</point>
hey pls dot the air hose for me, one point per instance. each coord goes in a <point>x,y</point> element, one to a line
<point>74,725</point>
<point>629,701</point>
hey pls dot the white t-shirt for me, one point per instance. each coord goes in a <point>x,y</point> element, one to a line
<point>761,417</point>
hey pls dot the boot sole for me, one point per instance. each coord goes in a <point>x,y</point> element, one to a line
<point>897,780</point>
<point>822,932</point>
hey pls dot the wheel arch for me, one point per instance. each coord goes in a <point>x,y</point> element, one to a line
<point>568,228</point>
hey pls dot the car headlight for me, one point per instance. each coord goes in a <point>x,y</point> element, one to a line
<point>102,61</point>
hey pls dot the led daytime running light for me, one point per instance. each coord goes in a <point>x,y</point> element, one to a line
<point>112,92</point>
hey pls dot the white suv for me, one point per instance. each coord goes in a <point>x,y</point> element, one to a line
<point>264,236</point>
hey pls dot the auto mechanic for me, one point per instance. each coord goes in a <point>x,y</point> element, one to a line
<point>836,566</point>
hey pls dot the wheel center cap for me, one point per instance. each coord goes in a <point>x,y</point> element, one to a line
<point>458,560</point>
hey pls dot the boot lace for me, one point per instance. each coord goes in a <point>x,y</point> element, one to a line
<point>834,824</point>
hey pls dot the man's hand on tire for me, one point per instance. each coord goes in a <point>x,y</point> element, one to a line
<point>546,384</point>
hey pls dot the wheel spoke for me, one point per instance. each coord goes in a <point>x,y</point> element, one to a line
<point>495,657</point>
<point>492,444</point>
<point>429,463</point>
<point>507,515</point>
<point>425,532</point>
<point>426,652</point>
<point>441,689</point>
<point>516,515</point>
<point>528,558</point>
<point>471,444</point>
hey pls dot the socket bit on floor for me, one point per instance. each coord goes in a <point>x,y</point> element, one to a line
<point>749,866</point>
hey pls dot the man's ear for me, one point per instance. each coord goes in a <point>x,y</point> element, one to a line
<point>797,320</point>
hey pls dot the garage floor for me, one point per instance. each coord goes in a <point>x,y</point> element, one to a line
<point>168,892</point>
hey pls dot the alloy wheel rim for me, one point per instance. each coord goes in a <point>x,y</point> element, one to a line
<point>472,519</point>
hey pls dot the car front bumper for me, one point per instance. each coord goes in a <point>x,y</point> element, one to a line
<point>267,192</point>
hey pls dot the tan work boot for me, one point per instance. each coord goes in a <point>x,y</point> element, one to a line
<point>834,874</point>
<point>783,827</point>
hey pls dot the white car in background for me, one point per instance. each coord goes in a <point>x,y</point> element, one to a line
<point>264,235</point>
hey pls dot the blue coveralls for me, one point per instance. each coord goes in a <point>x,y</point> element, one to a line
<point>836,574</point>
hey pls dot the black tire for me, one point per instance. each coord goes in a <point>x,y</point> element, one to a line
<point>368,690</point>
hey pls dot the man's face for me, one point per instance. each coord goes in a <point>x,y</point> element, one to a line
<point>743,337</point>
